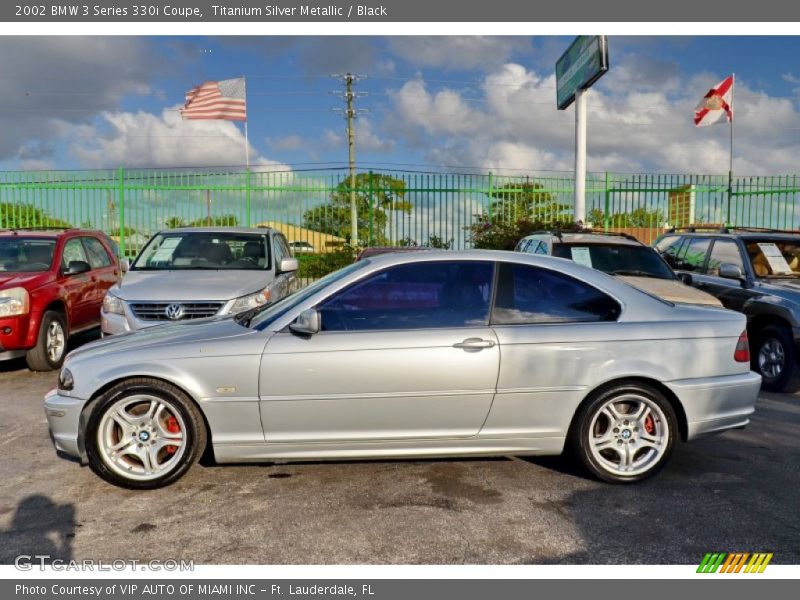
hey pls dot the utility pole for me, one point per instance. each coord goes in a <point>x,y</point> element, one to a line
<point>350,113</point>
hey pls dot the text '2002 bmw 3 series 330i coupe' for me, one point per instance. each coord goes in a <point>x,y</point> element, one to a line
<point>413,355</point>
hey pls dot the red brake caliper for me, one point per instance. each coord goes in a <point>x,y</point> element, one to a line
<point>172,427</point>
<point>650,424</point>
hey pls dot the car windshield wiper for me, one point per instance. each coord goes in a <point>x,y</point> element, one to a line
<point>635,273</point>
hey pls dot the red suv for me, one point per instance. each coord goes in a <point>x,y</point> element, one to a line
<point>52,285</point>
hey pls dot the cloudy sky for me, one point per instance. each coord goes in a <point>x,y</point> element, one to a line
<point>478,103</point>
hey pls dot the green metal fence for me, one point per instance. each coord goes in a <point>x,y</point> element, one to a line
<point>394,207</point>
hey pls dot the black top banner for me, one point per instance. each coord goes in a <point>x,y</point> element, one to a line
<point>393,11</point>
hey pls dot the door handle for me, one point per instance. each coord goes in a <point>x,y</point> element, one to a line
<point>474,344</point>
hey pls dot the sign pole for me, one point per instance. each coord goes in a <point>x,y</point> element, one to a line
<point>580,155</point>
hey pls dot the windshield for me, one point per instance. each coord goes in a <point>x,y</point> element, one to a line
<point>268,314</point>
<point>26,255</point>
<point>617,259</point>
<point>774,258</point>
<point>205,250</point>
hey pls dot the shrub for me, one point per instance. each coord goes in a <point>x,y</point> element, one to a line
<point>314,266</point>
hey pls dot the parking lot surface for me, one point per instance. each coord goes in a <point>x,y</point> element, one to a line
<point>739,491</point>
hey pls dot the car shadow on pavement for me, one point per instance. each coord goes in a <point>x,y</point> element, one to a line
<point>76,341</point>
<point>40,532</point>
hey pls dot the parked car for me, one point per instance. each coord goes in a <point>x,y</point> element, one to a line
<point>756,272</point>
<point>194,273</point>
<point>620,255</point>
<point>52,284</point>
<point>302,247</point>
<point>411,355</point>
<point>376,250</point>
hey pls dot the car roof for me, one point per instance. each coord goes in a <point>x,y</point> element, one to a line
<point>221,229</point>
<point>587,238</point>
<point>740,233</point>
<point>51,233</point>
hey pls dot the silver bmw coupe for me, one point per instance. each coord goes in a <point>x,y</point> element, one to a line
<point>413,355</point>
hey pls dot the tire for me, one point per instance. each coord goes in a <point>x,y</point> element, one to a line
<point>605,439</point>
<point>129,430</point>
<point>51,343</point>
<point>775,358</point>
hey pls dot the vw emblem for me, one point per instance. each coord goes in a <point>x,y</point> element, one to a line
<point>174,311</point>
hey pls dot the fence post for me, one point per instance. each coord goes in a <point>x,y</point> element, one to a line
<point>371,211</point>
<point>121,204</point>
<point>247,196</point>
<point>607,206</point>
<point>491,189</point>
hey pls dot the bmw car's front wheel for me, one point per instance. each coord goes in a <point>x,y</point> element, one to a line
<point>625,433</point>
<point>144,434</point>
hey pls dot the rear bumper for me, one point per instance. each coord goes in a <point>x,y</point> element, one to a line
<point>64,421</point>
<point>716,404</point>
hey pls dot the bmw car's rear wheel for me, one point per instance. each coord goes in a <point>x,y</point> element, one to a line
<point>144,434</point>
<point>626,433</point>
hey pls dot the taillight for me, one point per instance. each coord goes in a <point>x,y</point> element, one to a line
<point>742,352</point>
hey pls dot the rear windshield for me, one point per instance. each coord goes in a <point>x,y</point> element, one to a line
<point>616,259</point>
<point>26,255</point>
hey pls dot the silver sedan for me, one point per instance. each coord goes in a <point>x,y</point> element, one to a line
<point>413,355</point>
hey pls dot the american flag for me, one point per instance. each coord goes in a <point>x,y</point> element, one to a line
<point>217,100</point>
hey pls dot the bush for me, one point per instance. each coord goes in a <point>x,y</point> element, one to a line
<point>314,266</point>
<point>505,235</point>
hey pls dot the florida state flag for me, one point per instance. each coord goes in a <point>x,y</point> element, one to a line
<point>716,104</point>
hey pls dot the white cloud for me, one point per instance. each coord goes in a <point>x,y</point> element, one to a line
<point>457,52</point>
<point>144,139</point>
<point>514,124</point>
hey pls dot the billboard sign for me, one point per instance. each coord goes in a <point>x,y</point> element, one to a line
<point>580,66</point>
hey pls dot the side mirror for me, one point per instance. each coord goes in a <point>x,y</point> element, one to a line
<point>124,265</point>
<point>307,322</point>
<point>287,265</point>
<point>685,278</point>
<point>730,271</point>
<point>76,267</point>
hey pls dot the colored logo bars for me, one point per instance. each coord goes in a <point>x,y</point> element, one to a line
<point>736,562</point>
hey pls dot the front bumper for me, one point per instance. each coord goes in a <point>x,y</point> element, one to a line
<point>14,335</point>
<point>64,418</point>
<point>716,404</point>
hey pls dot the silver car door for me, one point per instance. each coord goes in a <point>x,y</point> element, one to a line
<point>553,330</point>
<point>403,354</point>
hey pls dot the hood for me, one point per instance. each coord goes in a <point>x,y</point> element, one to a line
<point>29,281</point>
<point>161,340</point>
<point>671,290</point>
<point>788,289</point>
<point>188,285</point>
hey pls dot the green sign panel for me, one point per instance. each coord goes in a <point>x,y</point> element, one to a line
<point>580,66</point>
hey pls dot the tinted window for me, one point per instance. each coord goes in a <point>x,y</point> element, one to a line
<point>616,259</point>
<point>414,296</point>
<point>724,251</point>
<point>528,294</point>
<point>25,254</point>
<point>73,250</point>
<point>692,255</point>
<point>98,257</point>
<point>669,248</point>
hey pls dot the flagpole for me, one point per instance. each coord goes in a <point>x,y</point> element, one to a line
<point>730,158</point>
<point>246,159</point>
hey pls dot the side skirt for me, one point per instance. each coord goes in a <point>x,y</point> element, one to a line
<point>238,453</point>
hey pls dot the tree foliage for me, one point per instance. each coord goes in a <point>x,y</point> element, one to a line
<point>638,217</point>
<point>18,216</point>
<point>526,201</point>
<point>374,192</point>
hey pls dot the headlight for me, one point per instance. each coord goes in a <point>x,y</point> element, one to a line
<point>65,380</point>
<point>14,301</point>
<point>247,302</point>
<point>112,304</point>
